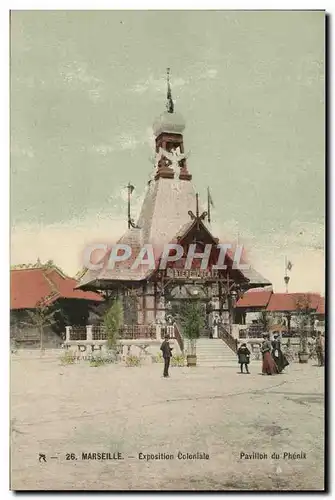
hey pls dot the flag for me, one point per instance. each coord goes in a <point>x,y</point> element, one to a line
<point>210,200</point>
<point>130,188</point>
<point>289,265</point>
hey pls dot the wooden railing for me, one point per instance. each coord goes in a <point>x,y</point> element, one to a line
<point>227,338</point>
<point>28,334</point>
<point>137,332</point>
<point>178,337</point>
<point>78,333</point>
<point>257,331</point>
<point>99,333</point>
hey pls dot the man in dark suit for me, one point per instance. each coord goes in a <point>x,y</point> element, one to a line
<point>167,353</point>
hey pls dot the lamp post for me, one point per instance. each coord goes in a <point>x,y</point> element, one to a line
<point>286,280</point>
<point>288,267</point>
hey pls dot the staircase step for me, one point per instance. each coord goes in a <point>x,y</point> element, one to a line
<point>215,353</point>
<point>223,358</point>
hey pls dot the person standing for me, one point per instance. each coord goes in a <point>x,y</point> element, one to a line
<point>278,355</point>
<point>216,327</point>
<point>312,347</point>
<point>243,357</point>
<point>167,353</point>
<point>269,367</point>
<point>319,348</point>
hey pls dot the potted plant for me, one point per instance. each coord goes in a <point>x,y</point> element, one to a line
<point>112,321</point>
<point>192,322</point>
<point>303,350</point>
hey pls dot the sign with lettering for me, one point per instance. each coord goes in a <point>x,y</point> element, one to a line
<point>192,274</point>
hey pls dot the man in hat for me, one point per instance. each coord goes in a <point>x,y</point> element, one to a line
<point>167,353</point>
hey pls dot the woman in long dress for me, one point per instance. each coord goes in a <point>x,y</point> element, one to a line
<point>278,355</point>
<point>269,367</point>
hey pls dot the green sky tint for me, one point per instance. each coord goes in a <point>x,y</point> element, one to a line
<point>86,86</point>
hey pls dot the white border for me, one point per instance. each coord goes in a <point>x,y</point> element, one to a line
<point>4,198</point>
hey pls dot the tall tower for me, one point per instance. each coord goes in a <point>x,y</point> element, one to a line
<point>168,129</point>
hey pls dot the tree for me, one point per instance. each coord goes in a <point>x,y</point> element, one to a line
<point>113,320</point>
<point>303,308</point>
<point>265,320</point>
<point>192,321</point>
<point>41,317</point>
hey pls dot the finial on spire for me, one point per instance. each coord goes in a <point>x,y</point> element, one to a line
<point>197,217</point>
<point>169,104</point>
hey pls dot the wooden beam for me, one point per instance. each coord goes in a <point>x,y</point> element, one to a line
<point>144,303</point>
<point>155,300</point>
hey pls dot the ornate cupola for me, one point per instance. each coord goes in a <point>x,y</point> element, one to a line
<point>168,129</point>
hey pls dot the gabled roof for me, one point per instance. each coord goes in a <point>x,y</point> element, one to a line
<point>254,298</point>
<point>255,278</point>
<point>321,307</point>
<point>164,211</point>
<point>281,302</point>
<point>289,302</point>
<point>30,286</point>
<point>164,218</point>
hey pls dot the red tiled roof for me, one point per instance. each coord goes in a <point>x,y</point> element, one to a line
<point>282,302</point>
<point>254,298</point>
<point>321,306</point>
<point>29,286</point>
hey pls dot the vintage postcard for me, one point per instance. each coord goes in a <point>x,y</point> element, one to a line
<point>167,250</point>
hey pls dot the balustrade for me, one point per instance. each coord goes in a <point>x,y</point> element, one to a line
<point>91,333</point>
<point>77,333</point>
<point>227,338</point>
<point>99,333</point>
<point>138,332</point>
<point>177,335</point>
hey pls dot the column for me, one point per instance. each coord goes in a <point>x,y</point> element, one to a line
<point>89,333</point>
<point>158,332</point>
<point>170,331</point>
<point>67,333</point>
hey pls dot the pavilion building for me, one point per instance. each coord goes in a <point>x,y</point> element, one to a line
<point>282,310</point>
<point>171,214</point>
<point>45,285</point>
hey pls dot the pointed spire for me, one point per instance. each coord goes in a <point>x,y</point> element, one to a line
<point>169,103</point>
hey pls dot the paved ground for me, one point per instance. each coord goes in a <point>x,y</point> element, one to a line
<point>59,410</point>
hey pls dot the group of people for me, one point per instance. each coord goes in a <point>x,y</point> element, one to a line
<point>274,360</point>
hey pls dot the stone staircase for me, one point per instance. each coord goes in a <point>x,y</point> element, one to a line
<point>215,352</point>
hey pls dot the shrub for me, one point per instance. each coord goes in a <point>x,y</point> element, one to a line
<point>97,361</point>
<point>132,360</point>
<point>158,358</point>
<point>113,321</point>
<point>68,358</point>
<point>178,360</point>
<point>192,322</point>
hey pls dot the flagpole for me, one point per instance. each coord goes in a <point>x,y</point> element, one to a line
<point>129,222</point>
<point>208,206</point>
